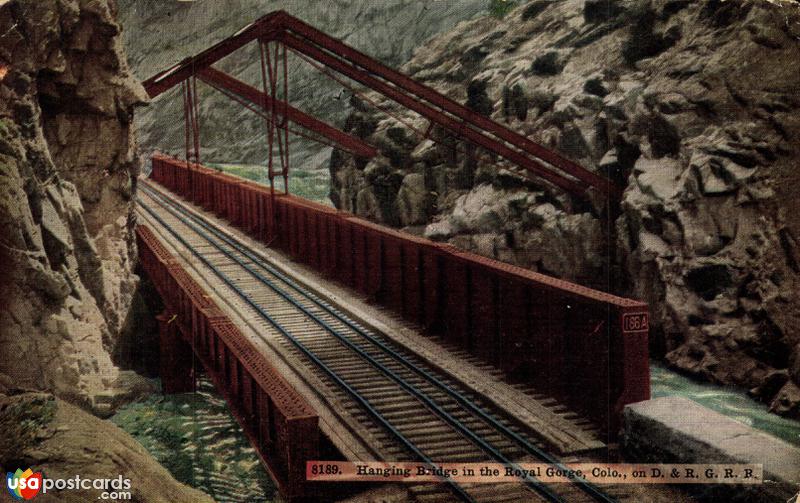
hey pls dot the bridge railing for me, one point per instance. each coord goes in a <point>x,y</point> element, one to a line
<point>279,422</point>
<point>582,346</point>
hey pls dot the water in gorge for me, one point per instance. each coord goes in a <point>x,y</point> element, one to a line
<point>729,401</point>
<point>195,437</point>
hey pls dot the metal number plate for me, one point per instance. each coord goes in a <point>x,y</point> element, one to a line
<point>638,322</point>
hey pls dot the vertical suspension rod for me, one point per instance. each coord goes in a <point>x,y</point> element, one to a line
<point>285,119</point>
<point>196,109</point>
<point>281,127</point>
<point>264,52</point>
<point>273,67</point>
<point>186,125</point>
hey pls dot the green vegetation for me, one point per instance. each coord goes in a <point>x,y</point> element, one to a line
<point>313,185</point>
<point>23,419</point>
<point>596,87</point>
<point>478,98</point>
<point>542,100</point>
<point>254,172</point>
<point>499,8</point>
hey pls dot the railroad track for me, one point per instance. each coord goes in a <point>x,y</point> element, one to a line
<point>413,411</point>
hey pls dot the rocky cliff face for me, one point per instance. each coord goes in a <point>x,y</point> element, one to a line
<point>158,34</point>
<point>691,106</point>
<point>59,439</point>
<point>66,211</point>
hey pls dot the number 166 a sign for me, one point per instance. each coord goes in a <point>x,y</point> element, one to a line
<point>635,322</point>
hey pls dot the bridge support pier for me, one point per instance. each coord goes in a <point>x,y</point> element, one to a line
<point>175,357</point>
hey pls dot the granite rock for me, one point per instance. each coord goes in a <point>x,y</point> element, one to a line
<point>47,434</point>
<point>704,146</point>
<point>68,172</point>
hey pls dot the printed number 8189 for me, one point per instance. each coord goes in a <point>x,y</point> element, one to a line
<point>324,469</point>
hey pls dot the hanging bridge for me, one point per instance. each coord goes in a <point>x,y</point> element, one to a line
<point>332,337</point>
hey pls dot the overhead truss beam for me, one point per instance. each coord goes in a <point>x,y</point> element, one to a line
<point>243,90</point>
<point>460,120</point>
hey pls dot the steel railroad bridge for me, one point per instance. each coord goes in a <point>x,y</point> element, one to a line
<point>332,337</point>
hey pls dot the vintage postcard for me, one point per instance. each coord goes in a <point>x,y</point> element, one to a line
<point>400,251</point>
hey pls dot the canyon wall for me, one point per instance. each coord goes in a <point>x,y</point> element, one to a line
<point>68,168</point>
<point>691,107</point>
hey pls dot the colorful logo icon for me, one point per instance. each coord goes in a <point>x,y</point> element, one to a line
<point>24,485</point>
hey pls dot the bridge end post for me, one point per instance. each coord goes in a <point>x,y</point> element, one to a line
<point>631,347</point>
<point>175,357</point>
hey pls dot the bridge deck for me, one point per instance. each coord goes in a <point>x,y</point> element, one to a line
<point>337,428</point>
<point>555,426</point>
<point>353,432</point>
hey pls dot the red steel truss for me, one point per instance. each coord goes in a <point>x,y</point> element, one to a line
<point>281,27</point>
<point>347,142</point>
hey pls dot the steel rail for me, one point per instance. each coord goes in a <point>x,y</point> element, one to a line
<point>529,481</point>
<point>460,492</point>
<point>584,485</point>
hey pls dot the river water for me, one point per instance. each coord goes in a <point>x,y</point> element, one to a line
<point>195,438</point>
<point>729,401</point>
